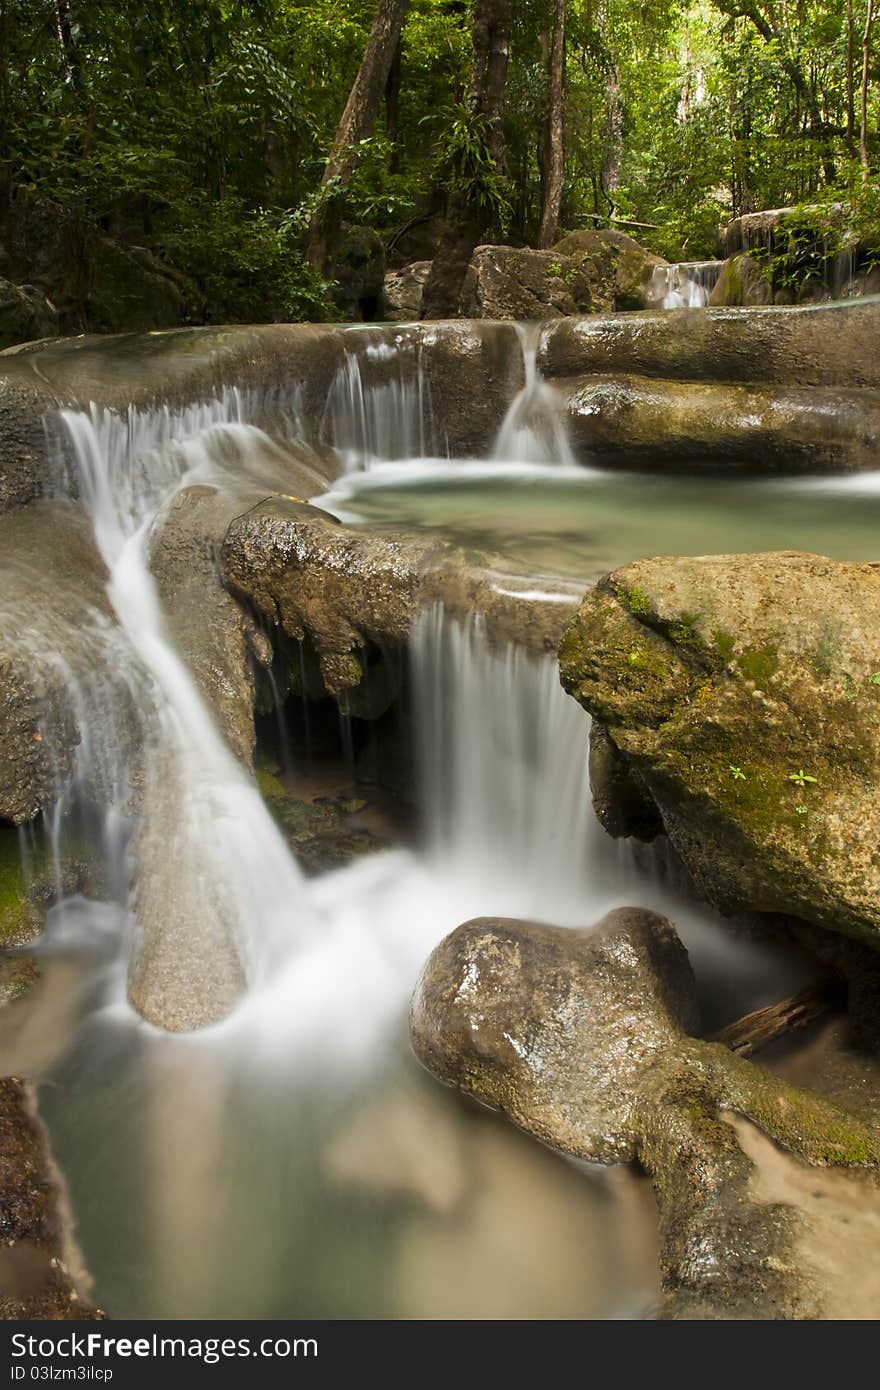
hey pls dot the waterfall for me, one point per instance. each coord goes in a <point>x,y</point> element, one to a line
<point>217,898</point>
<point>685,284</point>
<point>379,406</point>
<point>534,430</point>
<point>503,772</point>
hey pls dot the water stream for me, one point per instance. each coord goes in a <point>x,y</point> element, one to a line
<point>291,1159</point>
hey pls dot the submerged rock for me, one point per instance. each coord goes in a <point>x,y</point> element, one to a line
<point>744,693</point>
<point>36,1252</point>
<point>581,1038</point>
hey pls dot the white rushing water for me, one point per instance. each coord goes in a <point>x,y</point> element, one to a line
<point>379,406</point>
<point>534,430</point>
<point>684,284</point>
<point>210,902</point>
<point>213,871</point>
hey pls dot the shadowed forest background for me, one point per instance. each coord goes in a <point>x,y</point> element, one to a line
<point>190,161</point>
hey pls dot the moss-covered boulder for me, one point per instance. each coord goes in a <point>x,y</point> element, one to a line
<point>743,692</point>
<point>743,280</point>
<point>618,269</point>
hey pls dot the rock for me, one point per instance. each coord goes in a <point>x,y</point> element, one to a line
<point>744,692</point>
<point>653,424</point>
<point>349,592</point>
<point>514,283</point>
<point>821,345</point>
<point>209,629</point>
<point>132,291</point>
<point>743,280</point>
<point>402,292</point>
<point>580,1037</point>
<point>52,583</point>
<point>37,1256</point>
<point>623,805</point>
<point>359,272</point>
<point>25,313</point>
<point>618,269</point>
<point>752,229</point>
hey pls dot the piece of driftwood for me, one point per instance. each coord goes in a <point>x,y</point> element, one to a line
<point>763,1026</point>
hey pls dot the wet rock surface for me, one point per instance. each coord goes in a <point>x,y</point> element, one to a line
<point>348,590</point>
<point>36,1256</point>
<point>582,1039</point>
<point>744,692</point>
<point>672,425</point>
<point>52,596</point>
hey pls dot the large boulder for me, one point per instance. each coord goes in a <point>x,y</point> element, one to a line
<point>583,1038</point>
<point>619,270</point>
<point>518,283</point>
<point>650,424</point>
<point>25,313</point>
<point>743,692</point>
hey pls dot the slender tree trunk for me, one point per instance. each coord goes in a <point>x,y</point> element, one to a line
<point>554,146</point>
<point>356,123</point>
<point>850,82</point>
<point>866,56</point>
<point>392,108</point>
<point>5,153</point>
<point>467,219</point>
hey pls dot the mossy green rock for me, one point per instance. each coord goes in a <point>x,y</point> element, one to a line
<point>743,691</point>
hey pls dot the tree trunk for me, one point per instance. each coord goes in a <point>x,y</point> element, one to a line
<point>5,153</point>
<point>554,147</point>
<point>866,57</point>
<point>467,219</point>
<point>357,123</point>
<point>850,88</point>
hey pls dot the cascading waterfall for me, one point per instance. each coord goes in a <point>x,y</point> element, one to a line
<point>379,406</point>
<point>685,284</point>
<point>503,767</point>
<point>534,430</point>
<point>218,898</point>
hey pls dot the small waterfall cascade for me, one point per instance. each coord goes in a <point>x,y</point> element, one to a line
<point>216,897</point>
<point>534,430</point>
<point>685,284</point>
<point>379,406</point>
<point>503,773</point>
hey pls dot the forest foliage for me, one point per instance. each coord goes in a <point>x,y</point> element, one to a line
<point>202,129</point>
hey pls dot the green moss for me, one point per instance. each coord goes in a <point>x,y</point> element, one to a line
<point>805,1122</point>
<point>725,642</point>
<point>268,783</point>
<point>759,666</point>
<point>683,630</point>
<point>15,913</point>
<point>636,600</point>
